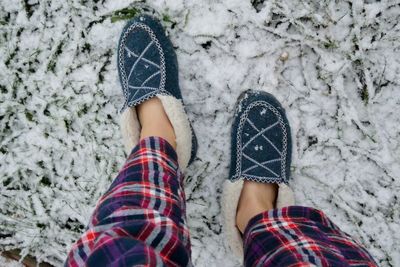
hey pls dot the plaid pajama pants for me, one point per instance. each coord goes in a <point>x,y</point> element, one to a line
<point>300,236</point>
<point>141,221</point>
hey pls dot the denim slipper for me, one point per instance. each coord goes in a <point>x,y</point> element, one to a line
<point>261,149</point>
<point>148,67</point>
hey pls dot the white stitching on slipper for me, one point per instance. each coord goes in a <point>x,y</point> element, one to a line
<point>122,47</point>
<point>240,147</point>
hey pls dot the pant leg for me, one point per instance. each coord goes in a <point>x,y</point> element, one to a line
<point>300,236</point>
<point>141,219</point>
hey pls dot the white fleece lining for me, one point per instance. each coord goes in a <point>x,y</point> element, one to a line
<point>130,128</point>
<point>230,200</point>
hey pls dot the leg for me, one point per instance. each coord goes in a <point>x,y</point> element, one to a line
<point>140,220</point>
<point>154,121</point>
<point>291,236</point>
<point>254,199</point>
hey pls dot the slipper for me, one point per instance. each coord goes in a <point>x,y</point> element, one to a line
<point>261,149</point>
<point>148,67</point>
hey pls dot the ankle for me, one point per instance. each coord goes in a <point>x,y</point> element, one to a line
<point>255,198</point>
<point>246,213</point>
<point>154,121</point>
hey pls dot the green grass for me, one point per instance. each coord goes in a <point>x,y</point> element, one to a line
<point>125,14</point>
<point>364,95</point>
<point>53,61</point>
<point>330,44</point>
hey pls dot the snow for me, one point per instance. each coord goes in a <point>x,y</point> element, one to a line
<point>9,263</point>
<point>333,65</point>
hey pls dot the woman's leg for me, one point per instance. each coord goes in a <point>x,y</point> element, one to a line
<point>140,220</point>
<point>291,236</point>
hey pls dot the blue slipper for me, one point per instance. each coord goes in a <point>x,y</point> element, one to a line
<point>261,149</point>
<point>261,143</point>
<point>148,67</point>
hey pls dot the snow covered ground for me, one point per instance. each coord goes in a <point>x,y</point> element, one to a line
<point>61,144</point>
<point>9,263</point>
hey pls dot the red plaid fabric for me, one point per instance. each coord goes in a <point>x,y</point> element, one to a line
<point>140,220</point>
<point>298,236</point>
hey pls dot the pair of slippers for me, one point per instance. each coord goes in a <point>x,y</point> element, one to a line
<point>260,141</point>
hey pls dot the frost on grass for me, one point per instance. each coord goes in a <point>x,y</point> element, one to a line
<point>333,64</point>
